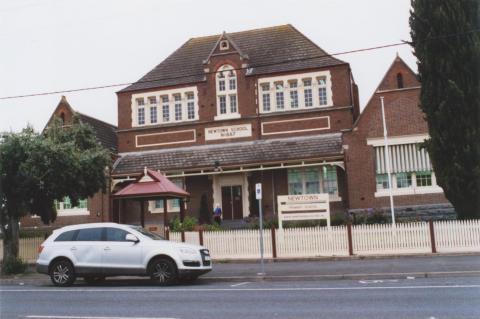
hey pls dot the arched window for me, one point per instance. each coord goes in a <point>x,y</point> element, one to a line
<point>226,84</point>
<point>399,80</point>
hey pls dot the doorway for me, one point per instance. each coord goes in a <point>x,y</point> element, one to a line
<point>232,202</point>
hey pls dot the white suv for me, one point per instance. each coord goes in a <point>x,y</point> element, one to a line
<point>95,251</point>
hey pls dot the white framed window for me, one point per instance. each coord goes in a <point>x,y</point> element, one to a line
<point>165,109</point>
<point>279,97</point>
<point>173,205</point>
<point>295,92</point>
<point>190,106</point>
<point>64,208</point>
<point>265,96</point>
<point>166,106</point>
<point>178,107</point>
<point>227,103</point>
<point>313,180</point>
<point>322,90</point>
<point>423,179</point>
<point>141,111</point>
<point>307,92</point>
<point>407,183</point>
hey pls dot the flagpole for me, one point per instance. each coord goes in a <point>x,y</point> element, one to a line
<point>387,160</point>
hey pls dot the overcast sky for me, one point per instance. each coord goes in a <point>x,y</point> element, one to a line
<point>60,44</point>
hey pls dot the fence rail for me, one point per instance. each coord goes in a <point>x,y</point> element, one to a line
<point>377,239</point>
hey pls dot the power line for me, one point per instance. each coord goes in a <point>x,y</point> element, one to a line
<point>237,69</point>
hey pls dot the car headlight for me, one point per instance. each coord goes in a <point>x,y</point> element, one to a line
<point>188,251</point>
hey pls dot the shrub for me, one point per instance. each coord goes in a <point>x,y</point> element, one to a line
<point>14,266</point>
<point>188,224</point>
<point>212,227</point>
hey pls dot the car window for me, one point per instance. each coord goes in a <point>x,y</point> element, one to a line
<point>115,234</point>
<point>147,233</point>
<point>67,236</point>
<point>90,234</point>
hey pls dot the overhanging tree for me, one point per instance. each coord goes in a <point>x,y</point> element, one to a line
<point>446,42</point>
<point>37,169</point>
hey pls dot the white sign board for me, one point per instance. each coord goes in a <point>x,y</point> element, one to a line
<point>258,191</point>
<point>224,132</point>
<point>303,207</point>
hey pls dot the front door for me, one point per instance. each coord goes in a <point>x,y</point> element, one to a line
<point>232,207</point>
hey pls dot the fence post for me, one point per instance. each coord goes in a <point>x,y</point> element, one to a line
<point>274,243</point>
<point>350,241</point>
<point>200,236</point>
<point>183,236</point>
<point>432,237</point>
<point>167,233</point>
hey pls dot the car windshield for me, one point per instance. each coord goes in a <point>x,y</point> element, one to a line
<point>147,233</point>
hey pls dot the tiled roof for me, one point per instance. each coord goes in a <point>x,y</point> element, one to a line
<point>106,133</point>
<point>240,153</point>
<point>269,50</point>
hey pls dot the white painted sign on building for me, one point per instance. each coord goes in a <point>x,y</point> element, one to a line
<point>224,132</point>
<point>303,207</point>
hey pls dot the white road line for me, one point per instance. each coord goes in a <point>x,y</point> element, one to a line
<point>169,290</point>
<point>81,317</point>
<point>240,284</point>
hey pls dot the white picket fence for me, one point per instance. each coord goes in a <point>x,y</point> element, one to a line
<point>378,239</point>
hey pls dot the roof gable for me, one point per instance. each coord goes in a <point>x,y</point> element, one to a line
<point>390,80</point>
<point>269,50</point>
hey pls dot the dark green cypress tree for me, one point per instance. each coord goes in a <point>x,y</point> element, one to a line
<point>446,42</point>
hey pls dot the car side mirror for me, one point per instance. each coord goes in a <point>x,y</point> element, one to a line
<point>131,237</point>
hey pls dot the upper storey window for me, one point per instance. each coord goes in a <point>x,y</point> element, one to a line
<point>167,106</point>
<point>294,92</point>
<point>227,99</point>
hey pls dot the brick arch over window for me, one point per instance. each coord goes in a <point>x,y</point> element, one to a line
<point>399,80</point>
<point>227,97</point>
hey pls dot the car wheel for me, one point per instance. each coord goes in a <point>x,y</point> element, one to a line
<point>163,271</point>
<point>62,273</point>
<point>93,279</point>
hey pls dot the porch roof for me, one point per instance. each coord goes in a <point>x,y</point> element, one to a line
<point>151,185</point>
<point>231,154</point>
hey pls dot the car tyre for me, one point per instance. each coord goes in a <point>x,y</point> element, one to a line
<point>62,273</point>
<point>163,271</point>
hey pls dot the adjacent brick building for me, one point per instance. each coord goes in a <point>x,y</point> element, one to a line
<point>96,208</point>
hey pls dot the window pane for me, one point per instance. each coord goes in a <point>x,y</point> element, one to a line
<point>141,116</point>
<point>308,97</point>
<point>312,181</point>
<point>295,186</point>
<point>166,112</point>
<point>294,99</point>
<point>424,179</point>
<point>191,110</point>
<point>322,95</point>
<point>265,86</point>
<point>404,180</point>
<point>90,234</point>
<point>66,203</point>
<point>280,100</point>
<point>178,112</point>
<point>266,101</point>
<point>223,104</point>
<point>82,203</point>
<point>221,85</point>
<point>232,84</point>
<point>330,179</point>
<point>233,103</point>
<point>159,203</point>
<point>152,100</point>
<point>382,181</point>
<point>66,236</point>
<point>153,114</point>
<point>115,234</point>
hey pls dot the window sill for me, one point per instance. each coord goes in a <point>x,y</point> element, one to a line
<point>410,191</point>
<point>227,116</point>
<point>69,212</point>
<point>160,211</point>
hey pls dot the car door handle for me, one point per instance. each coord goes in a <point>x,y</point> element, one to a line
<point>106,248</point>
<point>73,248</point>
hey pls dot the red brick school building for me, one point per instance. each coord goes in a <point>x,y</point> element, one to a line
<point>269,106</point>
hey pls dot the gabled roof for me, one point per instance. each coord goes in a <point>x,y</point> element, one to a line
<point>230,154</point>
<point>269,50</point>
<point>151,184</point>
<point>105,133</point>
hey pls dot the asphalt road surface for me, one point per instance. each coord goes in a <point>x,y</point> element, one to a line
<point>428,298</point>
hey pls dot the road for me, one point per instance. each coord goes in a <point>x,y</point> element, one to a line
<point>427,298</point>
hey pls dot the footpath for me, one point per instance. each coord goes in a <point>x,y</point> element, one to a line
<point>356,268</point>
